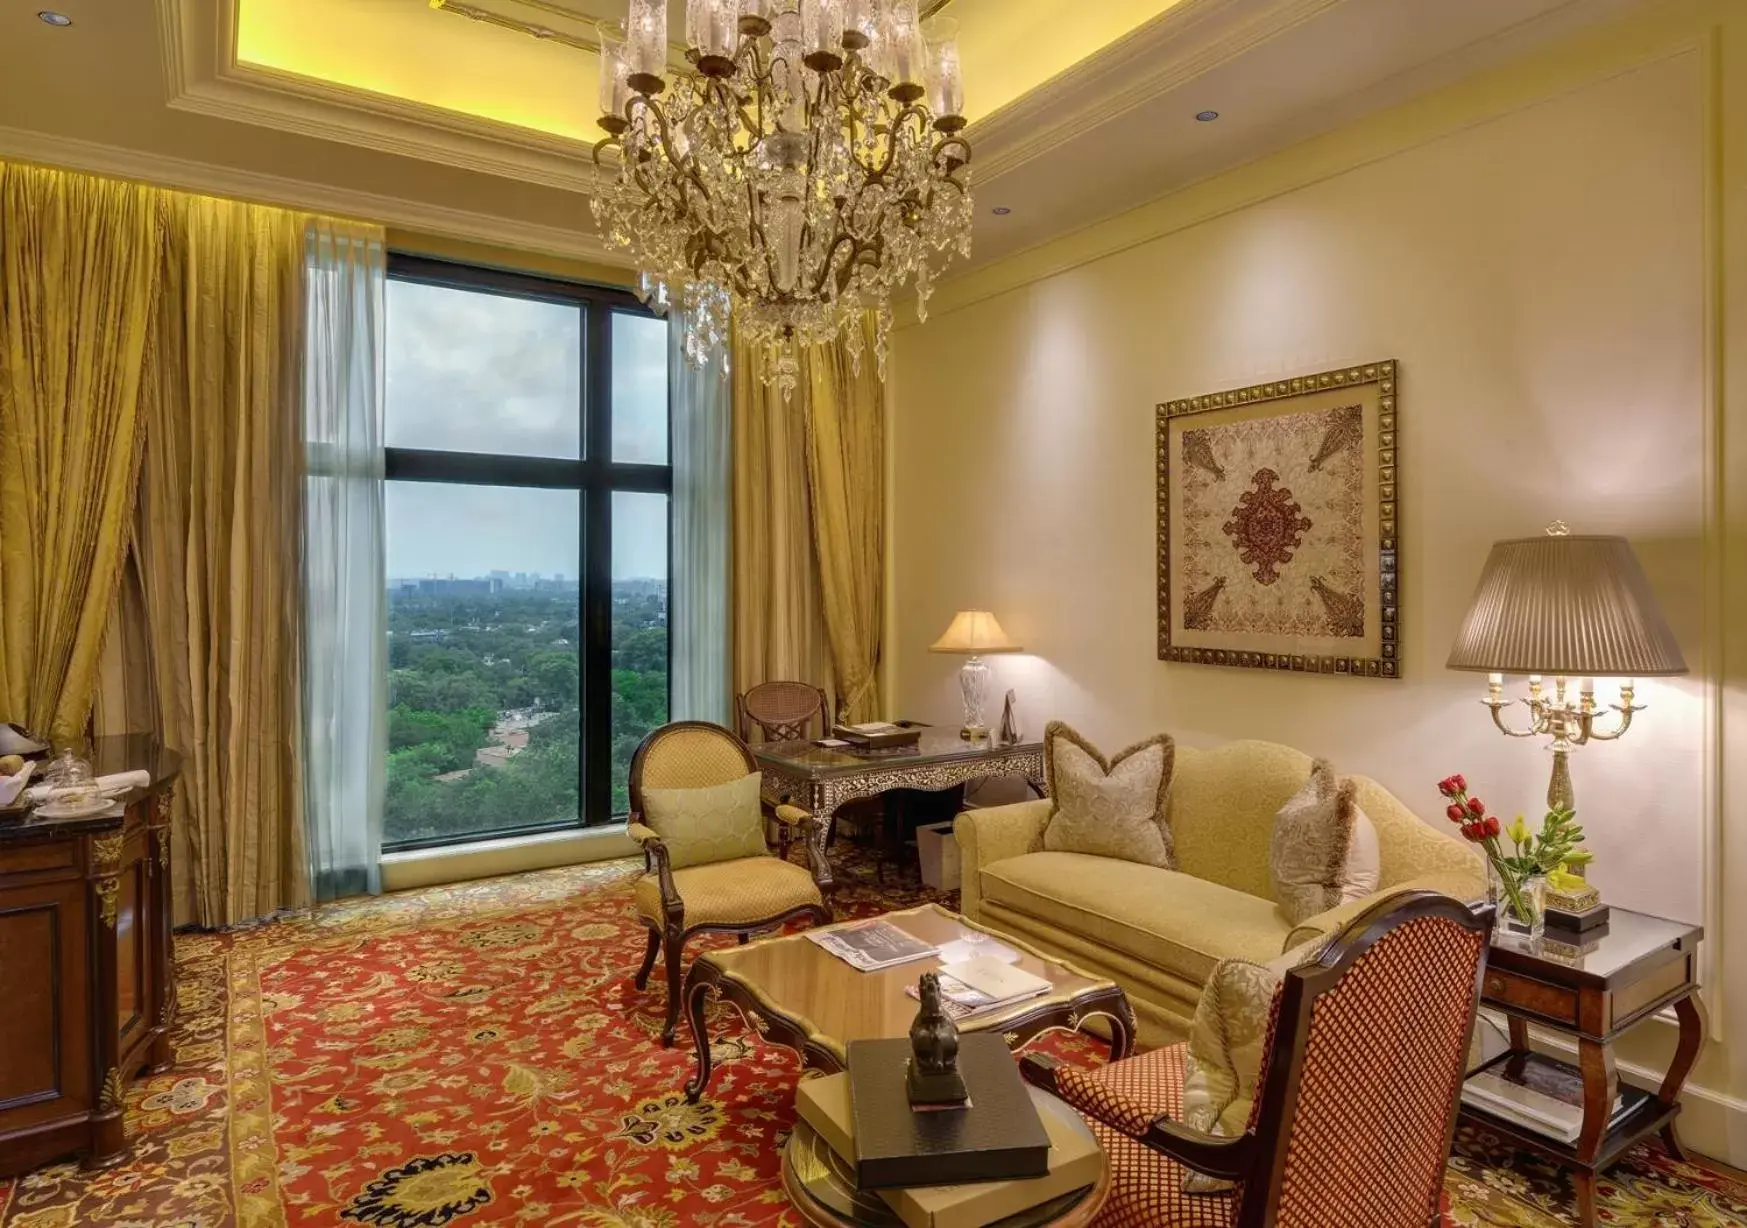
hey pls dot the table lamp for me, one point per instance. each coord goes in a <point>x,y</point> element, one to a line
<point>1565,607</point>
<point>972,634</point>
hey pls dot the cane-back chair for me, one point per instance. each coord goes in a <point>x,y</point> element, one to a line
<point>740,896</point>
<point>1356,1101</point>
<point>783,711</point>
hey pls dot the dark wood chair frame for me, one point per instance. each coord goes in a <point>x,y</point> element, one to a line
<point>1257,1158</point>
<point>782,731</point>
<point>669,936</point>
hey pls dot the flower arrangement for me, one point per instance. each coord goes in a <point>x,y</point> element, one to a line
<point>1551,851</point>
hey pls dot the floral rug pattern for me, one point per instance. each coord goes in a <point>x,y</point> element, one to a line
<point>476,1055</point>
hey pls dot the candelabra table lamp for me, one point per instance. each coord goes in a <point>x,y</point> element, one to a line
<point>972,634</point>
<point>1570,608</point>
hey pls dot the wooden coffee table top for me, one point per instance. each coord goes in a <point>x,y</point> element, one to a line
<point>834,1003</point>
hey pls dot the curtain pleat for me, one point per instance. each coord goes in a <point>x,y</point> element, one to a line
<point>778,616</point>
<point>702,533</point>
<point>218,536</point>
<point>78,273</point>
<point>845,415</point>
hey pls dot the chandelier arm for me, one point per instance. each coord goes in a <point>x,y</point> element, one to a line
<point>842,236</point>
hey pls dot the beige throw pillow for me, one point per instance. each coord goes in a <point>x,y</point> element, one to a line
<point>1224,1058</point>
<point>1108,807</point>
<point>700,826</point>
<point>1324,852</point>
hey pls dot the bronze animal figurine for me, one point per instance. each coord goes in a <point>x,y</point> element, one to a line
<point>933,1078</point>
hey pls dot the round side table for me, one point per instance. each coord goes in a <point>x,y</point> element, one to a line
<point>821,1185</point>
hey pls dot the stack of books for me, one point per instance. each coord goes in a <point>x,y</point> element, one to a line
<point>1001,1153</point>
<point>982,986</point>
<point>871,945</point>
<point>1534,1092</point>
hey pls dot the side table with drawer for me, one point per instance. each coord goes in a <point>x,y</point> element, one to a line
<point>1592,992</point>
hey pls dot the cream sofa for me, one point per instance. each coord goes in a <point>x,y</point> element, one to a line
<point>1158,933</point>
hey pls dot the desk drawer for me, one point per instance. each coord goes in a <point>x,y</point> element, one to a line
<point>35,858</point>
<point>1523,993</point>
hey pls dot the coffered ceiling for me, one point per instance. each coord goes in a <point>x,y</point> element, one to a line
<point>474,118</point>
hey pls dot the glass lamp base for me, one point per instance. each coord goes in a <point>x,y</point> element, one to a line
<point>973,686</point>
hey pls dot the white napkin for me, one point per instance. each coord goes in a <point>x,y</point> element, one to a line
<point>12,786</point>
<point>109,786</point>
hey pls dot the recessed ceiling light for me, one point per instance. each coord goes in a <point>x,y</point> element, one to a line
<point>54,19</point>
<point>1002,210</point>
<point>1207,117</point>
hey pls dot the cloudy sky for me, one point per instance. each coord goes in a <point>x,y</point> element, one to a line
<point>476,372</point>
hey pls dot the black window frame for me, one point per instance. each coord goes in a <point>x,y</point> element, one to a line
<point>596,478</point>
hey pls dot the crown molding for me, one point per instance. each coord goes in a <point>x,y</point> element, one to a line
<point>214,180</point>
<point>197,46</point>
<point>1186,41</point>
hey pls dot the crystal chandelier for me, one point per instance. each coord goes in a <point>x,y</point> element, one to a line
<point>807,164</point>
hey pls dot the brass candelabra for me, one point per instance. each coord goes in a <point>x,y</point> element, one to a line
<point>1570,724</point>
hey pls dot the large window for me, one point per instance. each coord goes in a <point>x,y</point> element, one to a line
<point>528,494</point>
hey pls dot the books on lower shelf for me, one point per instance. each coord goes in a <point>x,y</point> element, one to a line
<point>979,986</point>
<point>871,945</point>
<point>1535,1092</point>
<point>1074,1163</point>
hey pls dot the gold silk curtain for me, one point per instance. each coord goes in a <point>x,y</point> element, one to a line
<point>809,526</point>
<point>218,541</point>
<point>78,275</point>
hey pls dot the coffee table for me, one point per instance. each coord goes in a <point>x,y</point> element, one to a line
<point>796,994</point>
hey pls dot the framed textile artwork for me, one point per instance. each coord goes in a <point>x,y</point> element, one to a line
<point>1277,525</point>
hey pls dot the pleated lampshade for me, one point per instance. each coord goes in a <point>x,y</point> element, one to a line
<point>1566,606</point>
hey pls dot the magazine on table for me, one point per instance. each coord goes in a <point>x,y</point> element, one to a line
<point>979,986</point>
<point>1540,1094</point>
<point>871,945</point>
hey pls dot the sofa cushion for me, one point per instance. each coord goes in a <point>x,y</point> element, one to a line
<point>1160,917</point>
<point>1108,807</point>
<point>1324,851</point>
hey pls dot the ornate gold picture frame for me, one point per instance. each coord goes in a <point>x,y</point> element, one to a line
<point>1277,513</point>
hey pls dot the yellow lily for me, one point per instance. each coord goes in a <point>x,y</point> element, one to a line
<point>1519,831</point>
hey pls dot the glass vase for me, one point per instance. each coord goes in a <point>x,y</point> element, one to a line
<point>1523,913</point>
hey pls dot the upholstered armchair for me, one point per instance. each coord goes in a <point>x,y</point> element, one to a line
<point>730,894</point>
<point>1355,1104</point>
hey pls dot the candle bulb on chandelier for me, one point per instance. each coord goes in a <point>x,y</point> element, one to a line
<point>909,54</point>
<point>615,89</point>
<point>711,27</point>
<point>861,23</point>
<point>822,34</point>
<point>945,76</point>
<point>646,31</point>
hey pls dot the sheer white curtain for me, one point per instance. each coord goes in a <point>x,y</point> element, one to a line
<point>345,589</point>
<point>700,655</point>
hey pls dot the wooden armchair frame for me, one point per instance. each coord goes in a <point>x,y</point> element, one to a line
<point>1257,1159</point>
<point>790,725</point>
<point>669,935</point>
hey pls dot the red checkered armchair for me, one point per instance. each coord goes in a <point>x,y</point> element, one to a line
<point>1356,1102</point>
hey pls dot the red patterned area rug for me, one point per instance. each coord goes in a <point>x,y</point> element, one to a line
<point>477,1055</point>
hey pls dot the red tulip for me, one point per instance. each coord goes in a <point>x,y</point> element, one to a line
<point>1456,813</point>
<point>1477,808</point>
<point>1492,826</point>
<point>1461,784</point>
<point>1447,786</point>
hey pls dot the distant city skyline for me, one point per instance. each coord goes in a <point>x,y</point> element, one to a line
<point>477,372</point>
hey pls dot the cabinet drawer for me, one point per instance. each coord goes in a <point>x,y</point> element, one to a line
<point>1537,997</point>
<point>35,858</point>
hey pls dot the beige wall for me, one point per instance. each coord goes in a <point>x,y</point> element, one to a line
<point>1543,253</point>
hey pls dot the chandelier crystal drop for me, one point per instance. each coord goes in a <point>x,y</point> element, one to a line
<point>806,165</point>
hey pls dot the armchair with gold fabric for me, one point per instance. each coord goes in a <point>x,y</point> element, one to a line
<point>723,890</point>
<point>1362,1060</point>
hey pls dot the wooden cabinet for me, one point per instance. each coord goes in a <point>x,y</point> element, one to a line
<point>87,993</point>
